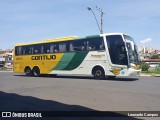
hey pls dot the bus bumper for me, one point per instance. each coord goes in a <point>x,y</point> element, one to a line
<point>133,72</point>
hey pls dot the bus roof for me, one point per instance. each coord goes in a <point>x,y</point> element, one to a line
<point>67,39</point>
<point>112,34</point>
<point>50,40</point>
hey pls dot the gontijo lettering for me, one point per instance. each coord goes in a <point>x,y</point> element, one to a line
<point>44,57</point>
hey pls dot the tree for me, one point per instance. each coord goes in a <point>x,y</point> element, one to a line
<point>145,66</point>
<point>155,57</point>
<point>158,68</point>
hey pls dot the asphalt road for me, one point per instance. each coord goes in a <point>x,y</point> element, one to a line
<point>18,92</point>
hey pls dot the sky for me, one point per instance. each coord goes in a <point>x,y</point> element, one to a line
<point>23,21</point>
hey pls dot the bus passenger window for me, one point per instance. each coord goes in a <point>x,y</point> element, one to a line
<point>18,50</point>
<point>77,45</point>
<point>56,49</point>
<point>92,48</point>
<point>95,44</point>
<point>52,48</point>
<point>101,47</point>
<point>48,51</point>
<point>71,47</point>
<point>26,50</point>
<point>62,47</point>
<point>36,51</point>
<point>30,50</point>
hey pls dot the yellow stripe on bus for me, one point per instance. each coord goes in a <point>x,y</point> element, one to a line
<point>45,62</point>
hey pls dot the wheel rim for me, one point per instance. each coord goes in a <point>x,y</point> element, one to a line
<point>36,72</point>
<point>28,72</point>
<point>99,74</point>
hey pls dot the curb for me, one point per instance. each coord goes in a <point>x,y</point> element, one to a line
<point>6,71</point>
<point>152,75</point>
<point>156,75</point>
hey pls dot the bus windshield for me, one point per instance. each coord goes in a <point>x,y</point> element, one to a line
<point>132,52</point>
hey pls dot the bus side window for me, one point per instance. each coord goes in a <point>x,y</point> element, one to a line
<point>62,47</point>
<point>18,50</point>
<point>30,52</point>
<point>94,44</point>
<point>56,48</point>
<point>23,50</point>
<point>42,49</point>
<point>77,45</point>
<point>101,47</point>
<point>48,51</point>
<point>27,50</point>
<point>71,47</point>
<point>36,51</point>
<point>51,48</point>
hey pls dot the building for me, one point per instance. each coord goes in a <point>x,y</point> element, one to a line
<point>146,54</point>
<point>6,57</point>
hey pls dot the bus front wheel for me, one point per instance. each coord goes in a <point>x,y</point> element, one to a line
<point>99,73</point>
<point>28,71</point>
<point>36,72</point>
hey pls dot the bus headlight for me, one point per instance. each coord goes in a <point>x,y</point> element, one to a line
<point>137,67</point>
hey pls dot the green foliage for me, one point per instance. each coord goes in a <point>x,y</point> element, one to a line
<point>152,71</point>
<point>144,66</point>
<point>155,57</point>
<point>157,68</point>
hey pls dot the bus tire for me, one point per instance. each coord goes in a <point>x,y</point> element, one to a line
<point>28,71</point>
<point>36,71</point>
<point>99,73</point>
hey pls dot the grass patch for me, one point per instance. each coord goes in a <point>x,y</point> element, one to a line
<point>151,72</point>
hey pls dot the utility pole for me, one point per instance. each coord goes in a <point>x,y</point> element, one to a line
<point>102,13</point>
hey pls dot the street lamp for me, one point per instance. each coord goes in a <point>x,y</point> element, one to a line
<point>102,13</point>
<point>94,17</point>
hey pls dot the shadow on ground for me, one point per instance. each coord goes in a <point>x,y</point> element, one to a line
<point>85,77</point>
<point>14,102</point>
<point>123,79</point>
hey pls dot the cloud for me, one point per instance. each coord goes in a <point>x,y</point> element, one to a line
<point>146,40</point>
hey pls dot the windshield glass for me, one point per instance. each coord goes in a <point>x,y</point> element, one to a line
<point>137,57</point>
<point>128,38</point>
<point>132,52</point>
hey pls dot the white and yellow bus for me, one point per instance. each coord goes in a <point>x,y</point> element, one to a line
<point>110,54</point>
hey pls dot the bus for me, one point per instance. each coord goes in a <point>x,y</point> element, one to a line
<point>104,55</point>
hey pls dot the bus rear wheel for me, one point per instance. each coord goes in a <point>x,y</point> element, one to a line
<point>99,74</point>
<point>28,71</point>
<point>36,72</point>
